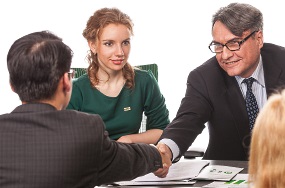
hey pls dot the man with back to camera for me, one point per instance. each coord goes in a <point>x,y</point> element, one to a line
<point>219,91</point>
<point>43,145</point>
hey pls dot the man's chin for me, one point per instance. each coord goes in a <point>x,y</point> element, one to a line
<point>231,73</point>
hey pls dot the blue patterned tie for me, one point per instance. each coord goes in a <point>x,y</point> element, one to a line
<point>250,102</point>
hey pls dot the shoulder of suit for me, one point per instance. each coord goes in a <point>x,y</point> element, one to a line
<point>82,116</point>
<point>211,65</point>
<point>272,47</point>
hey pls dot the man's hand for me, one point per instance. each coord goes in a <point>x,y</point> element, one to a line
<point>166,156</point>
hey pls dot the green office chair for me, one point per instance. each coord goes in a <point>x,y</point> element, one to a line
<point>79,72</point>
<point>152,67</point>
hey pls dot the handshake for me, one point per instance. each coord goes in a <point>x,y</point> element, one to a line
<point>165,153</point>
<point>166,156</point>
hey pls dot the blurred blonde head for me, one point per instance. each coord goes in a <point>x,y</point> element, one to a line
<point>267,153</point>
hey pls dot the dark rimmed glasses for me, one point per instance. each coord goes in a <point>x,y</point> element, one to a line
<point>231,45</point>
<point>71,73</point>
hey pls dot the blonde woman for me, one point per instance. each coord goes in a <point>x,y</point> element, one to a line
<point>267,153</point>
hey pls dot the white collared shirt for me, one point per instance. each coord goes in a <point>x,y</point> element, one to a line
<point>258,87</point>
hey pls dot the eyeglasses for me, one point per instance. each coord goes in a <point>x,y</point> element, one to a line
<point>71,73</point>
<point>231,45</point>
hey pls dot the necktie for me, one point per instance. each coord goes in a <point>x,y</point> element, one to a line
<point>250,101</point>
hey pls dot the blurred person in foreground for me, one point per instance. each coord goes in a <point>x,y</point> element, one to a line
<point>114,89</point>
<point>43,145</point>
<point>267,154</point>
<point>228,90</point>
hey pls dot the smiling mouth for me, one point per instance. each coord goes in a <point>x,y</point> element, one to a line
<point>231,62</point>
<point>118,60</point>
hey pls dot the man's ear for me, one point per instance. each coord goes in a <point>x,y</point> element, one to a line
<point>92,46</point>
<point>66,82</point>
<point>12,88</point>
<point>259,35</point>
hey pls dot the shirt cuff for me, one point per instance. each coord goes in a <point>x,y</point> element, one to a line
<point>172,146</point>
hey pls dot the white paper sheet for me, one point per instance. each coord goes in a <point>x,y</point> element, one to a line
<point>180,182</point>
<point>218,172</point>
<point>182,170</point>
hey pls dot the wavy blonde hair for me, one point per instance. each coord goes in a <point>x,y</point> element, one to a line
<point>267,153</point>
<point>99,20</point>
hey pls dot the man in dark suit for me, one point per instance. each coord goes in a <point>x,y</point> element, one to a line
<point>217,93</point>
<point>43,145</point>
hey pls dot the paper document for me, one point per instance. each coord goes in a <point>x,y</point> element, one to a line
<point>239,181</point>
<point>218,172</point>
<point>190,182</point>
<point>182,170</point>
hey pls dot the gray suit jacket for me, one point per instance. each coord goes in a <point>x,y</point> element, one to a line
<point>43,147</point>
<point>214,97</point>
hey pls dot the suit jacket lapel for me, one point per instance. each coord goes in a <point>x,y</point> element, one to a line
<point>236,103</point>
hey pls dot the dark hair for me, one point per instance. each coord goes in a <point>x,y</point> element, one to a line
<point>238,18</point>
<point>36,62</point>
<point>99,20</point>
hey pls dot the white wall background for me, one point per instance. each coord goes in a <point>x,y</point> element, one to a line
<point>171,33</point>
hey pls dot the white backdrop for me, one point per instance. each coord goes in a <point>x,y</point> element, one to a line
<point>171,33</point>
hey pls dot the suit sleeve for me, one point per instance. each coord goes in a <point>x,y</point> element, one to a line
<point>120,161</point>
<point>194,111</point>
